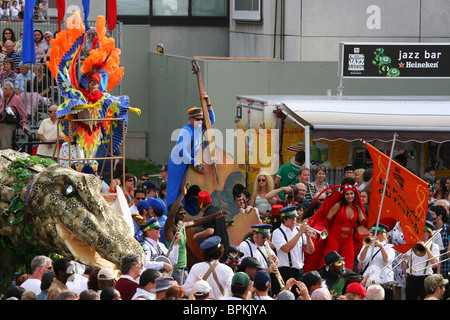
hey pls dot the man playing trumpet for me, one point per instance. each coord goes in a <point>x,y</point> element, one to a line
<point>375,256</point>
<point>290,241</point>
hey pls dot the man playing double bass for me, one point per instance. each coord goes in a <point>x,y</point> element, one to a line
<point>189,143</point>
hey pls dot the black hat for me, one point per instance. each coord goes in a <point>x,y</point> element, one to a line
<point>250,262</point>
<point>311,278</point>
<point>332,257</point>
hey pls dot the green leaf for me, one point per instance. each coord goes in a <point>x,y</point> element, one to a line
<point>19,219</point>
<point>29,232</point>
<point>46,162</point>
<point>17,187</point>
<point>35,159</point>
<point>15,171</point>
<point>16,204</point>
<point>24,175</point>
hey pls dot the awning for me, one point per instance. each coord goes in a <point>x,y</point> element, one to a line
<point>351,118</point>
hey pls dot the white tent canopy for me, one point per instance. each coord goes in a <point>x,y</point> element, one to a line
<point>351,118</point>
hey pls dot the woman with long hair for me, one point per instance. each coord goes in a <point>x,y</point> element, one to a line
<point>40,45</point>
<point>440,187</point>
<point>263,185</point>
<point>7,34</point>
<point>342,220</point>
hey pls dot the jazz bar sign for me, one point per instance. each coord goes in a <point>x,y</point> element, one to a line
<point>402,60</point>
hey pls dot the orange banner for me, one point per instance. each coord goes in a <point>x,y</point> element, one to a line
<point>405,199</point>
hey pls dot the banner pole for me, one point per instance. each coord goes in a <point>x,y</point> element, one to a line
<point>382,197</point>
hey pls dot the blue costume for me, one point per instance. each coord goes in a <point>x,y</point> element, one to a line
<point>188,145</point>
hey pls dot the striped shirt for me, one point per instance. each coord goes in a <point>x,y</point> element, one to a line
<point>17,57</point>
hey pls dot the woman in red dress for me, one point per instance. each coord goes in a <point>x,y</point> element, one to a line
<point>342,219</point>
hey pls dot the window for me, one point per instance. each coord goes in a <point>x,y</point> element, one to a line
<point>173,12</point>
<point>246,10</point>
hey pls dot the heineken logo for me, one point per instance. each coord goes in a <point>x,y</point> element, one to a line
<point>421,60</point>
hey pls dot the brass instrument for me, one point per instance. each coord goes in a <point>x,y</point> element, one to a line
<point>430,265</point>
<point>418,249</point>
<point>322,234</point>
<point>367,241</point>
<point>277,274</point>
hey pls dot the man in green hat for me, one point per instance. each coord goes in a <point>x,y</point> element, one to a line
<point>241,289</point>
<point>289,241</point>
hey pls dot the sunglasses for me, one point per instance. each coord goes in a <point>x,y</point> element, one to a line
<point>261,180</point>
<point>140,198</point>
<point>198,119</point>
<point>130,180</point>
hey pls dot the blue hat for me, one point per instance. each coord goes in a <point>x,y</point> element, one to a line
<point>289,211</point>
<point>157,204</point>
<point>150,224</point>
<point>144,204</point>
<point>381,228</point>
<point>263,228</point>
<point>150,185</point>
<point>210,243</point>
<point>429,226</point>
<point>262,276</point>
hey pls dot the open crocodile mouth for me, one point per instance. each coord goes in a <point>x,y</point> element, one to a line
<point>81,251</point>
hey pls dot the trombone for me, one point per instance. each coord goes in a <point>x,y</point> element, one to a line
<point>322,234</point>
<point>367,241</point>
<point>430,265</point>
<point>418,249</point>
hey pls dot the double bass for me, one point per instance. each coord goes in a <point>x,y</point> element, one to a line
<point>221,178</point>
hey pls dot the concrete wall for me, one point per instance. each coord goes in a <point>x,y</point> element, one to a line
<point>313,28</point>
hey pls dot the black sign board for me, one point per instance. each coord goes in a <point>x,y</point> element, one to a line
<point>402,60</point>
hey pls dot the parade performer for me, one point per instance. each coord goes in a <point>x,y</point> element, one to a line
<point>188,144</point>
<point>88,98</point>
<point>338,214</point>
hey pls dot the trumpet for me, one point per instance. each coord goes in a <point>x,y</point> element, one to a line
<point>322,234</point>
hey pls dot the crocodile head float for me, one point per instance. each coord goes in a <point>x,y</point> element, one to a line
<point>61,210</point>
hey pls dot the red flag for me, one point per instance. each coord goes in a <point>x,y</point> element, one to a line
<point>61,7</point>
<point>112,14</point>
<point>405,200</point>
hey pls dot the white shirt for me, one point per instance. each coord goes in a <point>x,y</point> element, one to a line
<point>142,292</point>
<point>32,285</point>
<point>224,276</point>
<point>78,284</point>
<point>378,263</point>
<point>49,130</point>
<point>419,262</point>
<point>134,209</point>
<point>296,253</point>
<point>249,249</point>
<point>152,247</point>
